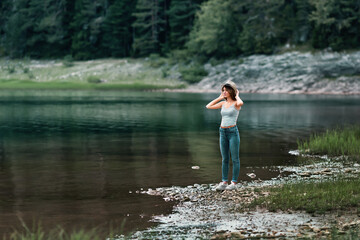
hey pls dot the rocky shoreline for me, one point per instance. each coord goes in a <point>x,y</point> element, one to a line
<point>202,212</point>
<point>293,72</point>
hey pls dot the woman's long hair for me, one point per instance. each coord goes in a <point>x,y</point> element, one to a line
<point>231,91</point>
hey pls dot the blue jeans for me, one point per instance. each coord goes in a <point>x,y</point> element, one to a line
<point>230,144</point>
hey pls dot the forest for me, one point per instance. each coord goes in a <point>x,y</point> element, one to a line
<point>91,29</point>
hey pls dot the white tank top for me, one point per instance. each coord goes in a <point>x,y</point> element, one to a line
<point>229,115</point>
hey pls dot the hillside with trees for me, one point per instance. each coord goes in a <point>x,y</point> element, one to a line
<point>90,29</point>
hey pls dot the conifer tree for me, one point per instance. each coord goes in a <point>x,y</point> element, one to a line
<point>181,17</point>
<point>45,29</point>
<point>336,23</point>
<point>262,31</point>
<point>15,30</point>
<point>5,10</point>
<point>215,30</point>
<point>117,37</point>
<point>87,27</point>
<point>302,28</point>
<point>148,26</point>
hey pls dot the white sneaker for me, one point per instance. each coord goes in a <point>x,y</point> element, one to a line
<point>231,187</point>
<point>222,186</point>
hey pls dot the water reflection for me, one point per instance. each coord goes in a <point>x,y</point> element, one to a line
<point>73,157</point>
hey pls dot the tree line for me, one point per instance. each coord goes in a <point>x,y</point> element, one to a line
<point>88,29</point>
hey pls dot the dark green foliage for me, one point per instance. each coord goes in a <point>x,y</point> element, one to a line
<point>204,29</point>
<point>259,24</point>
<point>302,26</point>
<point>337,24</point>
<point>5,11</point>
<point>149,25</point>
<point>193,74</point>
<point>44,28</point>
<point>15,29</point>
<point>215,31</point>
<point>181,17</point>
<point>87,27</point>
<point>117,37</point>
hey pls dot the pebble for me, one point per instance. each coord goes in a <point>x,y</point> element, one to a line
<point>251,175</point>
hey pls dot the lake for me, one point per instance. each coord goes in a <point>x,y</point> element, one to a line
<point>79,158</point>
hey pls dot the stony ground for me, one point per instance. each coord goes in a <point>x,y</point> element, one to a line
<point>293,72</point>
<point>203,213</point>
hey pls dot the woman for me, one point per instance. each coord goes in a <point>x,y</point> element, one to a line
<point>229,133</point>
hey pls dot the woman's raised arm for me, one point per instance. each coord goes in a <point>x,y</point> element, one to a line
<point>239,102</point>
<point>215,104</point>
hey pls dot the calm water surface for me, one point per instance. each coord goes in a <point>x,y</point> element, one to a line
<point>77,158</point>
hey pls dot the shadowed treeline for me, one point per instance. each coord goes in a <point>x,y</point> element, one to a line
<point>84,29</point>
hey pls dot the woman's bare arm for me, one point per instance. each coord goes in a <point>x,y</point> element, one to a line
<point>215,104</point>
<point>239,102</point>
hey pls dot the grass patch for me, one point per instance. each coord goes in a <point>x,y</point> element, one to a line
<point>8,84</point>
<point>99,74</point>
<point>36,232</point>
<point>58,234</point>
<point>313,197</point>
<point>335,142</point>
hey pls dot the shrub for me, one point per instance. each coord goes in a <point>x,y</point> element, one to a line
<point>194,73</point>
<point>94,79</point>
<point>68,61</point>
<point>156,61</point>
<point>10,69</point>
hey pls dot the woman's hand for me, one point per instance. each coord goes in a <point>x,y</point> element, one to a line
<point>221,97</point>
<point>216,104</point>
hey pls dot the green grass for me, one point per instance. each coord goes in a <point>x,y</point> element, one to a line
<point>96,74</point>
<point>86,85</point>
<point>59,234</point>
<point>337,142</point>
<point>313,197</point>
<point>36,232</point>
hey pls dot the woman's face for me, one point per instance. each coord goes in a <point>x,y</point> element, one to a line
<point>225,92</point>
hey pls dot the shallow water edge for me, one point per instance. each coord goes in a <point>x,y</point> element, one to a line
<point>202,212</point>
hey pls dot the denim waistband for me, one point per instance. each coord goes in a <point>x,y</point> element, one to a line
<point>228,129</point>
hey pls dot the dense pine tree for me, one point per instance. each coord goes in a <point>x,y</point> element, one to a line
<point>148,26</point>
<point>15,34</point>
<point>207,28</point>
<point>260,32</point>
<point>5,12</point>
<point>215,30</point>
<point>337,24</point>
<point>87,27</point>
<point>302,27</point>
<point>118,33</point>
<point>181,16</point>
<point>45,29</point>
